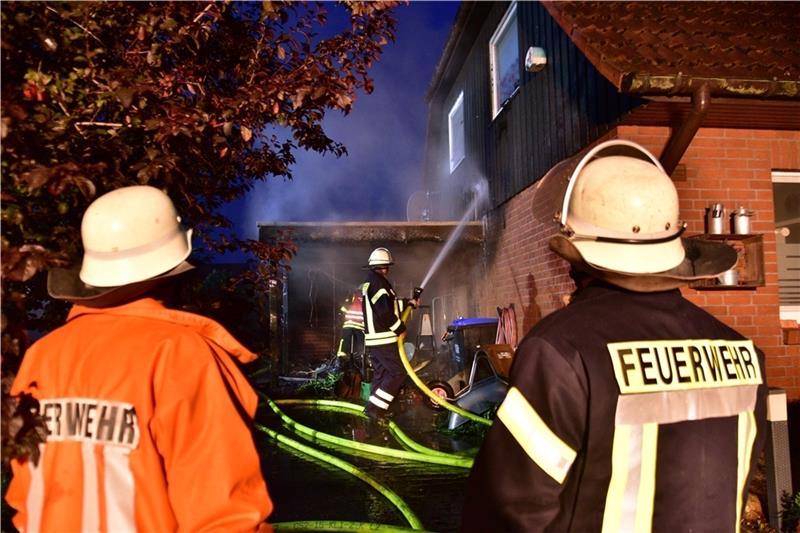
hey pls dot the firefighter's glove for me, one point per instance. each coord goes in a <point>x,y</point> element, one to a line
<point>414,303</point>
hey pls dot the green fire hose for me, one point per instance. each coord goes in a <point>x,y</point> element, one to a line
<point>399,434</point>
<point>392,496</point>
<point>339,525</point>
<point>436,458</point>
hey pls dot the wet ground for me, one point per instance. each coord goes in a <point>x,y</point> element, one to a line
<point>304,488</point>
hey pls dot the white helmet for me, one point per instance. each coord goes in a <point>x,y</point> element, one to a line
<point>618,220</point>
<point>130,235</point>
<point>621,213</point>
<point>380,257</point>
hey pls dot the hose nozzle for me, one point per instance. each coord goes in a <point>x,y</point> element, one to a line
<point>417,292</point>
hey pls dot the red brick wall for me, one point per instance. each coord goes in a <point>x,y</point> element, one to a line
<point>728,166</point>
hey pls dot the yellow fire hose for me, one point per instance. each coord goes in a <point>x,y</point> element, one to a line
<point>424,388</point>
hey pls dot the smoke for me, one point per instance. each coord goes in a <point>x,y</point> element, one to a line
<point>384,135</point>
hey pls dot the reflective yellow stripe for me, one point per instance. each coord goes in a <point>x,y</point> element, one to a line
<point>379,339</point>
<point>377,295</point>
<point>745,440</point>
<point>381,335</point>
<point>367,310</point>
<point>548,451</point>
<point>647,479</point>
<point>396,325</point>
<point>612,516</point>
<point>380,342</point>
<point>631,491</point>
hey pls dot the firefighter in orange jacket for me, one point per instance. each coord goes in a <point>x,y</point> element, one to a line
<point>147,415</point>
<point>631,409</point>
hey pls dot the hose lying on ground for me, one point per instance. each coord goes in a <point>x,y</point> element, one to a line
<point>392,496</point>
<point>399,434</point>
<point>437,458</point>
<point>338,525</point>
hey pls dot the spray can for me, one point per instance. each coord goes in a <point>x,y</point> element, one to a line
<point>741,221</point>
<point>715,219</point>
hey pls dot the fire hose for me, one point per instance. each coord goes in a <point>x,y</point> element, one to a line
<point>441,458</point>
<point>392,496</point>
<point>399,434</point>
<point>347,526</point>
<point>338,525</point>
<point>424,388</point>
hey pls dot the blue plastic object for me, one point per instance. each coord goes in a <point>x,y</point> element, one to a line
<point>473,321</point>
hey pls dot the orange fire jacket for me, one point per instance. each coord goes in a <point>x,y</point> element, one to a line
<point>147,421</point>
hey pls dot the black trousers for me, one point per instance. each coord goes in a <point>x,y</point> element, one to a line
<point>352,342</point>
<point>387,378</point>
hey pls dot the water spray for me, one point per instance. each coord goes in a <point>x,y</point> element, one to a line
<point>481,192</point>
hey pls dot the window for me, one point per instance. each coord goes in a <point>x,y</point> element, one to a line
<point>504,59</point>
<point>455,126</point>
<point>786,199</point>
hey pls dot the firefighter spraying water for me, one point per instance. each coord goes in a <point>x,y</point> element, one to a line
<point>384,329</point>
<point>385,318</point>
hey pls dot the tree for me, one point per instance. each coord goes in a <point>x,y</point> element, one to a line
<point>201,99</point>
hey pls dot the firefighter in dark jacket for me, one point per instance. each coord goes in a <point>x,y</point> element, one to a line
<point>383,325</point>
<point>631,409</point>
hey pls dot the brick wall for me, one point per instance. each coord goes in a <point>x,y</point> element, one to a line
<point>728,166</point>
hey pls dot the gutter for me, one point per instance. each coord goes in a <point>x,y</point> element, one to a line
<point>681,137</point>
<point>649,85</point>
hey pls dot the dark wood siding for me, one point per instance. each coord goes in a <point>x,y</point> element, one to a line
<point>554,114</point>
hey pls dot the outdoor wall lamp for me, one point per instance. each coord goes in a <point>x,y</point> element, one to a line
<point>535,59</point>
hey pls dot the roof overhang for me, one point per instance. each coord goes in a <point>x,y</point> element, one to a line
<point>724,113</point>
<point>386,232</point>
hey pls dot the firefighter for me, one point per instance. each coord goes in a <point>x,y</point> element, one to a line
<point>382,318</point>
<point>147,414</point>
<point>352,341</point>
<point>630,409</point>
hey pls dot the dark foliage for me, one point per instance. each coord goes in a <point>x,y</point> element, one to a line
<point>201,99</point>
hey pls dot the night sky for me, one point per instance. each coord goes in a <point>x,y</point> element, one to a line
<point>384,135</point>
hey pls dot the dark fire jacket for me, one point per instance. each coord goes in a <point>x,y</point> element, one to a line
<point>626,412</point>
<point>382,311</point>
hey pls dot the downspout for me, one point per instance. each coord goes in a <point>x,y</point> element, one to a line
<point>680,138</point>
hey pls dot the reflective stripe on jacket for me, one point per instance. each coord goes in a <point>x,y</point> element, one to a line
<point>354,313</point>
<point>148,426</point>
<point>627,412</point>
<point>382,311</point>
